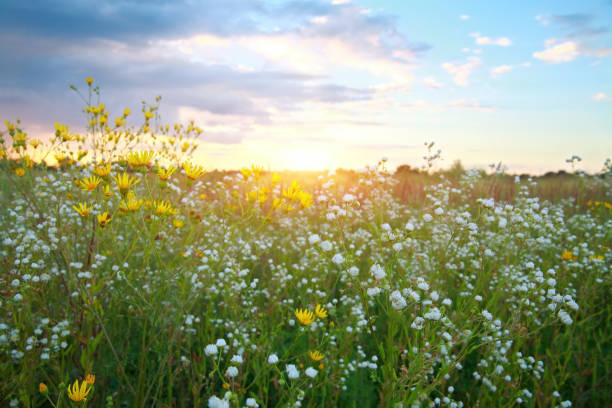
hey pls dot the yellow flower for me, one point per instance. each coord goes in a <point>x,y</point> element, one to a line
<point>89,184</point>
<point>193,171</point>
<point>42,387</point>
<point>131,203</point>
<point>124,181</point>
<point>163,208</point>
<point>20,172</point>
<point>78,393</point>
<point>119,121</point>
<point>148,115</point>
<point>126,112</point>
<point>320,312</point>
<point>89,80</point>
<point>90,379</point>
<point>102,170</point>
<point>104,219</point>
<point>178,223</point>
<point>305,199</point>
<point>107,191</point>
<point>315,355</point>
<point>35,143</point>
<point>164,174</point>
<point>137,159</point>
<point>304,316</point>
<point>566,255</point>
<point>276,178</point>
<point>82,209</point>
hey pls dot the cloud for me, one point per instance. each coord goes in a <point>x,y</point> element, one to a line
<point>501,41</point>
<point>462,72</point>
<point>432,83</point>
<point>580,37</point>
<point>464,17</point>
<point>600,96</point>
<point>556,54</point>
<point>502,69</point>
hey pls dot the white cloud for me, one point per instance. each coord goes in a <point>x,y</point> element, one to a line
<point>501,70</point>
<point>564,52</point>
<point>462,72</point>
<point>338,2</point>
<point>464,16</point>
<point>600,96</point>
<point>502,41</point>
<point>432,83</point>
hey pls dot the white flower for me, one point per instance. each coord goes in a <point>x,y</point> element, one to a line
<point>502,222</point>
<point>433,314</point>
<point>421,284</point>
<point>232,371</point>
<point>292,372</point>
<point>353,271</point>
<point>347,198</point>
<point>311,372</point>
<point>377,271</point>
<point>565,317</point>
<point>338,259</point>
<point>397,300</point>
<point>237,358</point>
<point>326,246</point>
<point>221,343</point>
<point>215,402</point>
<point>439,211</point>
<point>210,350</point>
<point>313,239</point>
<point>487,315</point>
<point>418,323</point>
<point>427,217</point>
<point>373,291</point>
<point>272,359</point>
<point>410,226</point>
<point>18,297</point>
<point>250,402</point>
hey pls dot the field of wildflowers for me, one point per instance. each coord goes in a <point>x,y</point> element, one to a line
<point>130,277</point>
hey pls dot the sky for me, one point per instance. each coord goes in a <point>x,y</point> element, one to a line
<point>328,84</point>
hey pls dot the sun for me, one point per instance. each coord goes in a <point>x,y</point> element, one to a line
<point>308,160</point>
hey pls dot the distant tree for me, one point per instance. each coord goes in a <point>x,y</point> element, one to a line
<point>406,169</point>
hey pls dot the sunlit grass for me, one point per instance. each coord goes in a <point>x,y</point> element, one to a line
<point>132,277</point>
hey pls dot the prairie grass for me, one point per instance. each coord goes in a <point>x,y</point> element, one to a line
<point>252,288</point>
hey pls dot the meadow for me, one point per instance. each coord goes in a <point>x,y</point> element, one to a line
<point>131,277</point>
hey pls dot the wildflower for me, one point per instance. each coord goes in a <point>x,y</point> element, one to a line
<point>124,181</point>
<point>211,350</point>
<point>89,80</point>
<point>78,394</point>
<point>311,372</point>
<point>272,359</point>
<point>89,184</point>
<point>164,174</point>
<point>82,209</point>
<point>107,191</point>
<point>304,316</point>
<point>292,371</point>
<point>102,170</point>
<point>137,159</point>
<point>42,388</point>
<point>232,371</point>
<point>131,203</point>
<point>90,379</point>
<point>377,271</point>
<point>20,172</point>
<point>320,312</point>
<point>163,208</point>
<point>178,223</point>
<point>193,171</point>
<point>315,355</point>
<point>567,255</point>
<point>104,219</point>
<point>119,121</point>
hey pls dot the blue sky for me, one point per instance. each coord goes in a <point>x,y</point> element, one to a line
<point>327,84</point>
